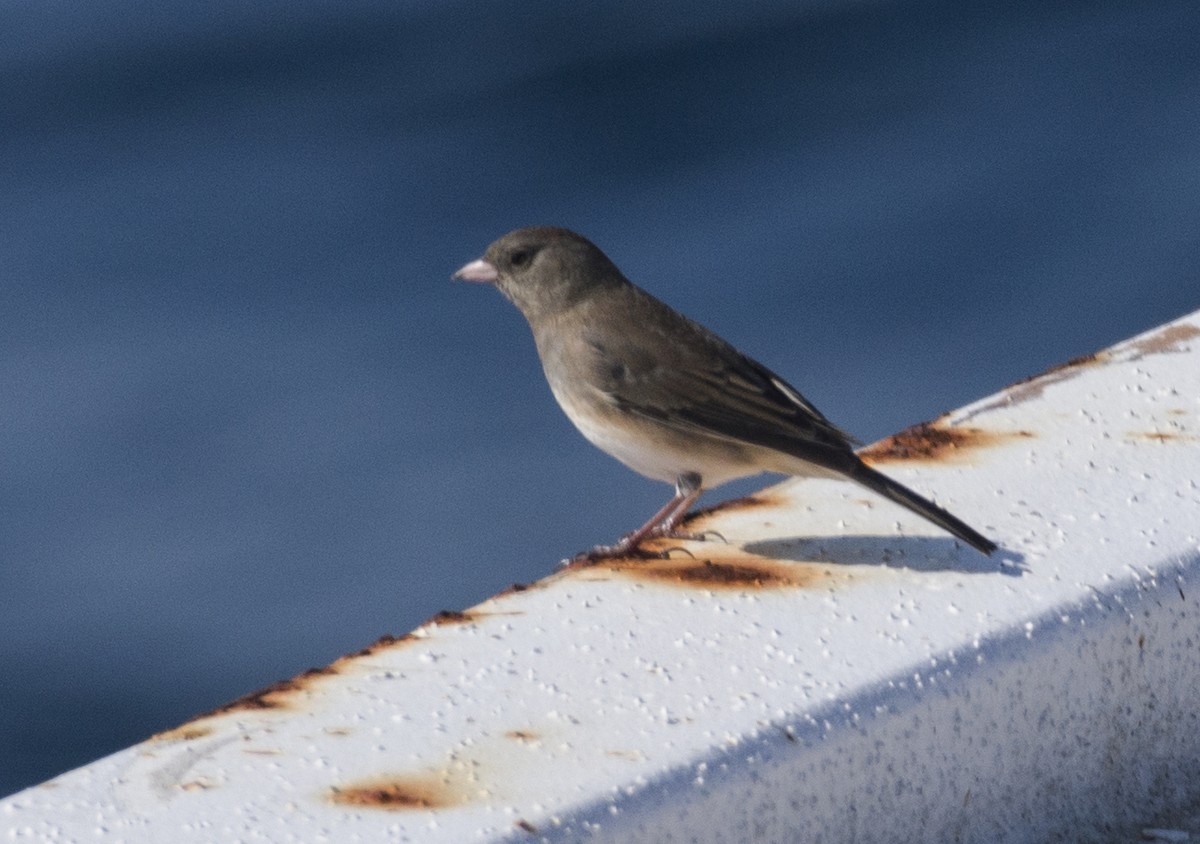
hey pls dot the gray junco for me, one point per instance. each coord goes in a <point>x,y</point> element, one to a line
<point>662,394</point>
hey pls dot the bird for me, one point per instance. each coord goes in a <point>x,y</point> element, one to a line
<point>663,394</point>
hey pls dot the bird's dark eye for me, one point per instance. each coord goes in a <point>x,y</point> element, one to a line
<point>521,257</point>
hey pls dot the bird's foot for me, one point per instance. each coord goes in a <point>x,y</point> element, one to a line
<point>623,550</point>
<point>630,546</point>
<point>689,536</point>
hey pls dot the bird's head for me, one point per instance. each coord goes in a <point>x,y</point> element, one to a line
<point>544,270</point>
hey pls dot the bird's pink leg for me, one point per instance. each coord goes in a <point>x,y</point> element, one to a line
<point>687,491</point>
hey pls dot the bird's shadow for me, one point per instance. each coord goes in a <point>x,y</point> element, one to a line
<point>914,553</point>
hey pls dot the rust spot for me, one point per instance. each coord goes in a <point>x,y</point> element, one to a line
<point>385,641</point>
<point>513,588</point>
<point>743,573</point>
<point>1033,386</point>
<point>451,617</point>
<point>274,696</point>
<point>931,442</point>
<point>526,826</point>
<point>401,793</point>
<point>749,502</point>
<point>1167,341</point>
<point>1163,436</point>
<point>186,732</point>
<point>522,735</point>
<point>1074,363</point>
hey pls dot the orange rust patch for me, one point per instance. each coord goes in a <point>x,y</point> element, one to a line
<point>383,642</point>
<point>186,732</point>
<point>1166,341</point>
<point>930,442</point>
<point>744,573</point>
<point>274,696</point>
<point>401,793</point>
<point>750,502</point>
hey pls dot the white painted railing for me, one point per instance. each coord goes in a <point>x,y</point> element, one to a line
<point>838,670</point>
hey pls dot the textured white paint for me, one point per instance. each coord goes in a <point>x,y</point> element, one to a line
<point>886,685</point>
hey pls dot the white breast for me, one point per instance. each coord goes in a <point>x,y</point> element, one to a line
<point>652,449</point>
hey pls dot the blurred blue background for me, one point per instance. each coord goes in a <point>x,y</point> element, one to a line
<point>247,424</point>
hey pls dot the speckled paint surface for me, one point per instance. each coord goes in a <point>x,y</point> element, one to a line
<point>834,670</point>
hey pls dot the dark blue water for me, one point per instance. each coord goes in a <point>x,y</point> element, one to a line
<point>247,424</point>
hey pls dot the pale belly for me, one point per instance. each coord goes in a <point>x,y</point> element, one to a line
<point>659,452</point>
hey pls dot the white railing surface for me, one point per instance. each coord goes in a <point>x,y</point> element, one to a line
<point>834,670</point>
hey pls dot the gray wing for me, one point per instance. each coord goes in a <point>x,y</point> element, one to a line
<point>679,374</point>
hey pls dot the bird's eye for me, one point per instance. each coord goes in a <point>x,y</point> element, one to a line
<point>521,257</point>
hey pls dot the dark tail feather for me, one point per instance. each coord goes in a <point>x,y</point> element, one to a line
<point>923,507</point>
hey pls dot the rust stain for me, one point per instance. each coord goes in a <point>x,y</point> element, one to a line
<point>749,502</point>
<point>185,732</point>
<point>513,588</point>
<point>384,642</point>
<point>275,696</point>
<point>452,617</point>
<point>526,826</point>
<point>1032,387</point>
<point>744,572</point>
<point>1162,436</point>
<point>1167,341</point>
<point>935,443</point>
<point>279,695</point>
<point>522,735</point>
<point>401,793</point>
